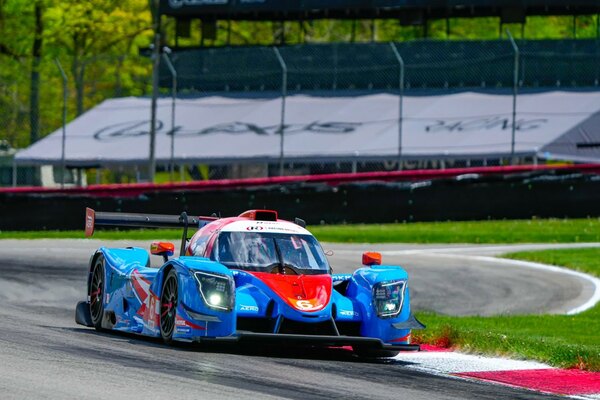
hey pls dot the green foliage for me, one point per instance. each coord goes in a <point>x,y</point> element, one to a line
<point>569,341</point>
<point>98,44</point>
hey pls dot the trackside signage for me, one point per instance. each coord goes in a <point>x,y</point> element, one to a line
<point>220,130</point>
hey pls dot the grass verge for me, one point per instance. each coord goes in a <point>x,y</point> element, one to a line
<point>511,231</point>
<point>564,341</point>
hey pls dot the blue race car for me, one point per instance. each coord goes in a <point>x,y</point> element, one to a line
<point>249,278</point>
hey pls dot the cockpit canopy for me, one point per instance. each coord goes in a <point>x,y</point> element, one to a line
<point>265,251</point>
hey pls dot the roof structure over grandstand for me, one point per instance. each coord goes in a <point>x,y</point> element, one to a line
<point>407,11</point>
<point>236,130</point>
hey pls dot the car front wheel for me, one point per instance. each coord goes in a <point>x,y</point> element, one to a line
<point>168,306</point>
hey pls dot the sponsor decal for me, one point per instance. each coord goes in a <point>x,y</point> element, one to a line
<point>182,323</point>
<point>184,329</point>
<point>152,312</point>
<point>488,124</point>
<point>340,277</point>
<point>348,313</point>
<point>123,130</point>
<point>254,226</point>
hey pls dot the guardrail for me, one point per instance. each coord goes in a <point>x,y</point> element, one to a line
<point>136,189</point>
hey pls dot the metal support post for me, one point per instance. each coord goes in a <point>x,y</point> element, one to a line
<point>64,122</point>
<point>166,52</point>
<point>14,173</point>
<point>515,89</point>
<point>283,96</point>
<point>400,101</point>
<point>155,77</point>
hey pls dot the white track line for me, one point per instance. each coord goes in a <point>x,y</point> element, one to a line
<point>544,267</point>
<point>451,362</point>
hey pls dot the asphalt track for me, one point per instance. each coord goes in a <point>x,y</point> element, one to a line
<point>44,354</point>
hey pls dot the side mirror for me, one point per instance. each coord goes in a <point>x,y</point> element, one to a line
<point>371,258</point>
<point>165,249</point>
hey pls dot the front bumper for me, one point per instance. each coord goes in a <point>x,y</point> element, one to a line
<point>284,339</point>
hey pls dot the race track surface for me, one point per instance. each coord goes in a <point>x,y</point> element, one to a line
<point>44,354</point>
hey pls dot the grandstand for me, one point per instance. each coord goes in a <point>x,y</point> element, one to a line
<point>406,68</point>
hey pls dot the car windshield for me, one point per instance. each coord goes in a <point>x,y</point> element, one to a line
<point>265,251</point>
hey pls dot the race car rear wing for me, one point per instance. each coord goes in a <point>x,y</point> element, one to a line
<point>135,220</point>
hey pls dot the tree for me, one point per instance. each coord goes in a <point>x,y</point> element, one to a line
<point>36,55</point>
<point>91,29</point>
<point>16,18</point>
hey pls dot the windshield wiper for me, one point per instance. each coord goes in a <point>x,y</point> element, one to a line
<point>279,257</point>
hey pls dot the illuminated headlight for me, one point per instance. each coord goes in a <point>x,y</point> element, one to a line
<point>217,291</point>
<point>388,298</point>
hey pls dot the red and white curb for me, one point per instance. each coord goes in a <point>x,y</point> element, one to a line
<point>516,373</point>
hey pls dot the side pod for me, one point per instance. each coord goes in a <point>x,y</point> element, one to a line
<point>82,314</point>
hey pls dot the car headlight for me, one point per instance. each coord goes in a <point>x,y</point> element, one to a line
<point>217,291</point>
<point>388,298</point>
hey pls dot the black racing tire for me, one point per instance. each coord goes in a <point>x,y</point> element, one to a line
<point>367,352</point>
<point>96,293</point>
<point>168,306</point>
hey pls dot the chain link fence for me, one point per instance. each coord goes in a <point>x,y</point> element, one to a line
<point>429,64</point>
<point>409,68</point>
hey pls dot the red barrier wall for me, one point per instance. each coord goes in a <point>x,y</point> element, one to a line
<point>135,189</point>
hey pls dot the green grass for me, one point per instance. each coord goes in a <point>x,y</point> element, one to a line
<point>511,231</point>
<point>559,340</point>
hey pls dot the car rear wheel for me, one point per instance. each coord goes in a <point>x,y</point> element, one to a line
<point>168,307</point>
<point>97,292</point>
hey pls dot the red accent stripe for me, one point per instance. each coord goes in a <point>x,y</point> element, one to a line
<point>560,381</point>
<point>141,277</point>
<point>138,288</point>
<point>131,190</point>
<point>190,324</point>
<point>402,339</point>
